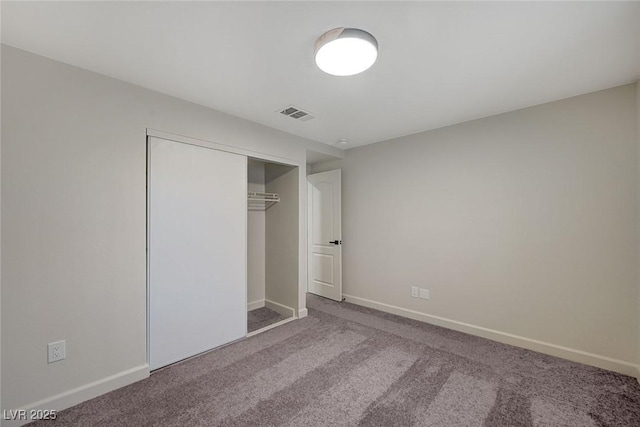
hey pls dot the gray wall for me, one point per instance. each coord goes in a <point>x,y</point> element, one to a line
<point>524,223</point>
<point>73,220</point>
<point>255,238</point>
<point>282,225</point>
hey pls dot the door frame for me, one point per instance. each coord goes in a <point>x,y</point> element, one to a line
<point>301,312</point>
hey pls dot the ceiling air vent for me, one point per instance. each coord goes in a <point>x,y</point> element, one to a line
<point>296,113</point>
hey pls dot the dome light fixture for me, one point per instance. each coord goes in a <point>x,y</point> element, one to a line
<point>345,51</point>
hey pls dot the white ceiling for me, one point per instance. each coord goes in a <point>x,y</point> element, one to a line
<point>440,62</point>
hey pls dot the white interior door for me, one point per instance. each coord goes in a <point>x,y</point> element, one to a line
<point>325,234</point>
<point>197,250</point>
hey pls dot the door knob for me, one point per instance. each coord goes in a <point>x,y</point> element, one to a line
<point>336,242</point>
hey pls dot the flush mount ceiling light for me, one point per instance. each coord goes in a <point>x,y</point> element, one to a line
<point>346,51</point>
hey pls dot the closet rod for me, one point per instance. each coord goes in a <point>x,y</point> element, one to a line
<point>261,201</point>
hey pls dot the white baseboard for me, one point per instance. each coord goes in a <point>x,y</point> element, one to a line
<point>303,312</point>
<point>254,305</point>
<point>83,393</point>
<point>575,355</point>
<point>271,326</point>
<point>280,308</point>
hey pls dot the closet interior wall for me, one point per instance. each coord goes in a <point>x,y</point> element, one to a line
<point>282,239</point>
<point>255,240</point>
<point>272,247</point>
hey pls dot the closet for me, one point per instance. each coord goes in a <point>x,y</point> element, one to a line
<point>222,238</point>
<point>272,236</point>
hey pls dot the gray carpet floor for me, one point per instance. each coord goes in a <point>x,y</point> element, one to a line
<point>262,317</point>
<point>345,365</point>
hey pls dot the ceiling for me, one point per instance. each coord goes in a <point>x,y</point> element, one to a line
<point>439,63</point>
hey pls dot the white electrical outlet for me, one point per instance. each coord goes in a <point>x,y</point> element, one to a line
<point>424,293</point>
<point>56,351</point>
<point>414,291</point>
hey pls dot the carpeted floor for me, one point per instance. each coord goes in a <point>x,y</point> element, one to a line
<point>261,317</point>
<point>351,366</point>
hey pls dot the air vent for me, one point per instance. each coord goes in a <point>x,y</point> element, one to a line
<point>296,113</point>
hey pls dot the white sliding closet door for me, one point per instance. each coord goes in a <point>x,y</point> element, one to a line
<point>197,250</point>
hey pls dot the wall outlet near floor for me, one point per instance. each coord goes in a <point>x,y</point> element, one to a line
<point>424,293</point>
<point>56,351</point>
<point>414,291</point>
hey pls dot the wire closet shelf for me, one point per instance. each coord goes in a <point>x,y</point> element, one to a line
<point>261,201</point>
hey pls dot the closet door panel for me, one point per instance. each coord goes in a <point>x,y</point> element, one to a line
<point>197,250</point>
